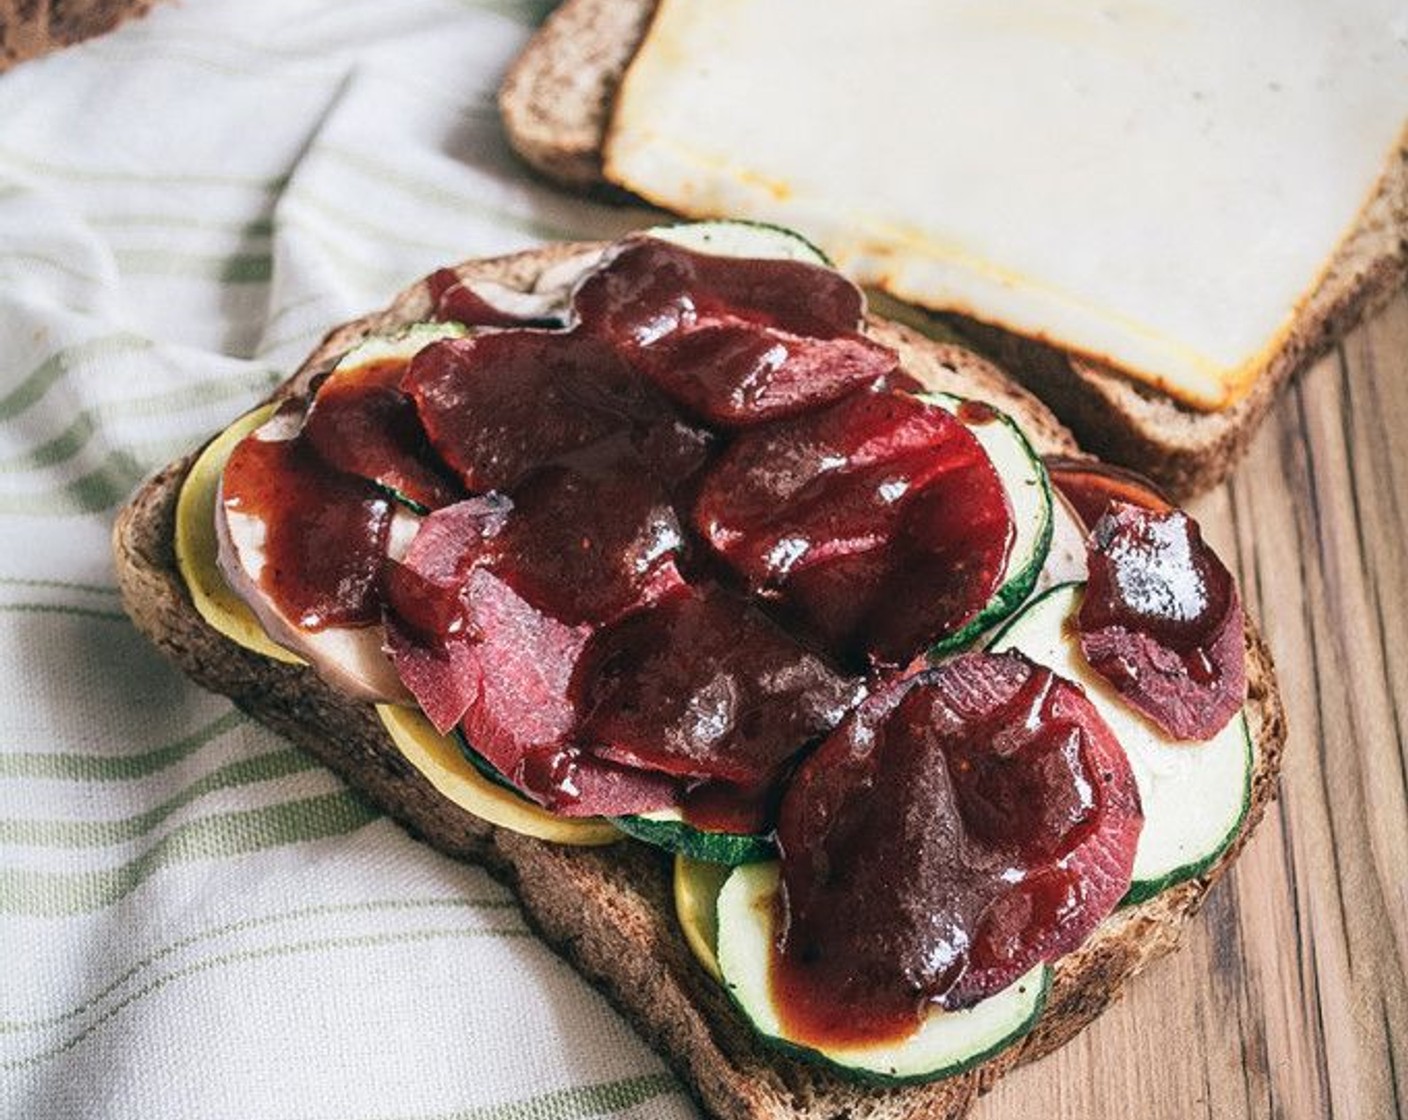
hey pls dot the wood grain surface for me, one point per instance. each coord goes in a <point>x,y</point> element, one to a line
<point>1290,995</point>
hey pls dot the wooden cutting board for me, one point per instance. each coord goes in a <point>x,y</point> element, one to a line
<point>1290,996</point>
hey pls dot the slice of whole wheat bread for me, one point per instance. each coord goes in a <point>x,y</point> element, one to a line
<point>30,28</point>
<point>557,101</point>
<point>609,911</point>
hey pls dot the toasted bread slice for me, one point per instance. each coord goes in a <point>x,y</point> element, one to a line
<point>28,30</point>
<point>557,103</point>
<point>609,911</point>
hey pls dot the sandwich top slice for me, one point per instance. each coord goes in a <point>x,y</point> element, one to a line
<point>1181,219</point>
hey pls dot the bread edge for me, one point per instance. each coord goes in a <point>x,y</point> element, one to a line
<point>29,30</point>
<point>609,912</point>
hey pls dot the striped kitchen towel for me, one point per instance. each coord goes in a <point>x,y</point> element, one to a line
<point>195,919</point>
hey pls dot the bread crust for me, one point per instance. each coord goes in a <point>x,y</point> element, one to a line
<point>609,911</point>
<point>1185,450</point>
<point>30,28</point>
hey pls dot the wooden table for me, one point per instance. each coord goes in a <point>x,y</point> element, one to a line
<point>1290,995</point>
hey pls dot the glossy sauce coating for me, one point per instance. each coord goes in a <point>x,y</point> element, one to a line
<point>325,532</point>
<point>1090,486</point>
<point>1161,620</point>
<point>876,525</point>
<point>962,825</point>
<point>454,301</point>
<point>362,423</point>
<point>569,612</point>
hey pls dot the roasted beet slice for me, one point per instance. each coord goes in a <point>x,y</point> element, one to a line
<point>947,560</point>
<point>526,660</point>
<point>573,783</point>
<point>430,629</point>
<point>962,825</point>
<point>362,423</point>
<point>791,493</point>
<point>1090,486</point>
<point>442,676</point>
<point>499,405</point>
<point>1161,620</point>
<point>426,588</point>
<point>592,537</point>
<point>878,525</point>
<point>704,685</point>
<point>734,374</point>
<point>649,288</point>
<point>735,342</point>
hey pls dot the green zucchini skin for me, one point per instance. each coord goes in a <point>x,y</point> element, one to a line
<point>1023,571</point>
<point>729,848</point>
<point>745,930</point>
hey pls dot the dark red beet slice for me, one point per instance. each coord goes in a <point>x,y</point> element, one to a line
<point>792,492</point>
<point>429,627</point>
<point>879,525</point>
<point>325,531</point>
<point>526,661</point>
<point>735,342</point>
<point>426,588</point>
<point>704,685</point>
<point>1090,486</point>
<point>592,537</point>
<point>946,561</point>
<point>362,423</point>
<point>735,374</point>
<point>962,825</point>
<point>573,783</point>
<point>443,677</point>
<point>650,288</point>
<point>1161,620</point>
<point>500,405</point>
<point>457,302</point>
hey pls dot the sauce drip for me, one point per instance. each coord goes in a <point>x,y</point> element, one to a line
<point>325,532</point>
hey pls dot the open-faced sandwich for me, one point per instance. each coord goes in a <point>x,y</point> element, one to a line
<point>822,703</point>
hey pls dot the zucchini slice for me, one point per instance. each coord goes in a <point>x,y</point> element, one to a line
<point>697,887</point>
<point>1195,795</point>
<point>756,240</point>
<point>667,828</point>
<point>1023,478</point>
<point>196,545</point>
<point>439,759</point>
<point>946,1043</point>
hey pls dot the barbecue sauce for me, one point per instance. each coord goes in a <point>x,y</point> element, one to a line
<point>961,826</point>
<point>362,423</point>
<point>325,534</point>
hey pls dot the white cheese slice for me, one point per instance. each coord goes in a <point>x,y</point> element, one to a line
<point>1157,184</point>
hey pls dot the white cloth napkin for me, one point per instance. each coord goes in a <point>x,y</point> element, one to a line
<point>195,919</point>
